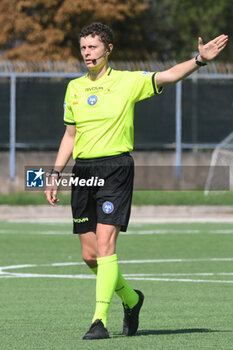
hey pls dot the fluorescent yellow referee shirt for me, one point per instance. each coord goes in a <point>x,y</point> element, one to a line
<point>103,111</point>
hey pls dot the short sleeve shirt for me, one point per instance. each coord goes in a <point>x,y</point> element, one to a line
<point>103,111</point>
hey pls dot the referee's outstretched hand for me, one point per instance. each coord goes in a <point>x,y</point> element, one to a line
<point>51,192</point>
<point>210,50</point>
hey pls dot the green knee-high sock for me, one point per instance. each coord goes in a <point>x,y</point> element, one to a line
<point>107,276</point>
<point>94,269</point>
<point>125,292</point>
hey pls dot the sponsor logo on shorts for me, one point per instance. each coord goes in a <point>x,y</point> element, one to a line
<point>108,207</point>
<point>92,100</point>
<point>79,221</point>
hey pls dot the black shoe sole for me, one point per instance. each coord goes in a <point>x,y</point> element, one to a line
<point>128,332</point>
<point>97,331</point>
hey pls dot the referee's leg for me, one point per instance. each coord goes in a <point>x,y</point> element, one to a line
<point>89,249</point>
<point>109,279</point>
<point>107,275</point>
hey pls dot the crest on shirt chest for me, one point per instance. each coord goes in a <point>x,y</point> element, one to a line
<point>92,99</point>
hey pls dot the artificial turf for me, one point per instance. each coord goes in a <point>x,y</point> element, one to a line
<point>184,270</point>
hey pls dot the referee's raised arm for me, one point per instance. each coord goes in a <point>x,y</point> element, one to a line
<point>63,156</point>
<point>207,53</point>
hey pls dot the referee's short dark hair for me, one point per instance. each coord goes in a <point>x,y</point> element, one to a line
<point>102,30</point>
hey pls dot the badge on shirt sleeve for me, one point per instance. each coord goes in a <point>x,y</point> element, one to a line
<point>145,73</point>
<point>64,110</point>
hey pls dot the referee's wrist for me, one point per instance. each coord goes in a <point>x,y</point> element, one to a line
<point>199,61</point>
<point>54,172</point>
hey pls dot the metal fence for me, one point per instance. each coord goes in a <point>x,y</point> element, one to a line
<point>193,114</point>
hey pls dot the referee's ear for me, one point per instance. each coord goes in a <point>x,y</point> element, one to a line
<point>109,49</point>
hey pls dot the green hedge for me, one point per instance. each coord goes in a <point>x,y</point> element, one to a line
<point>139,198</point>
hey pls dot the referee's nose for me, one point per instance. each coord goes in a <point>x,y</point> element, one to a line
<point>86,52</point>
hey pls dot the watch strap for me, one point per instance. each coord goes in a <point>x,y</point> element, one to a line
<point>54,172</point>
<point>199,63</point>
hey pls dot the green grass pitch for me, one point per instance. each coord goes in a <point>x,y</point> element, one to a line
<point>185,270</point>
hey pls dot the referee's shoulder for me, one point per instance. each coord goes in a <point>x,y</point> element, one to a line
<point>77,80</point>
<point>125,73</point>
<point>74,84</point>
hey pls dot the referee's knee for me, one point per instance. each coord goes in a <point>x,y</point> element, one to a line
<point>90,260</point>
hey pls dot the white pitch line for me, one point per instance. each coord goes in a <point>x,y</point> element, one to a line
<point>171,260</point>
<point>179,274</point>
<point>16,267</point>
<point>126,275</point>
<point>227,218</point>
<point>37,275</point>
<point>181,220</point>
<point>148,261</point>
<point>177,232</point>
<point>65,264</point>
<point>138,277</point>
<point>34,232</point>
<point>129,232</point>
<point>21,275</point>
<point>160,232</point>
<point>176,280</point>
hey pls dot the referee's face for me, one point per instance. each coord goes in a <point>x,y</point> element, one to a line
<point>93,48</point>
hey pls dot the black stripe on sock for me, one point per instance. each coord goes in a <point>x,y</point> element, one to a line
<point>102,302</point>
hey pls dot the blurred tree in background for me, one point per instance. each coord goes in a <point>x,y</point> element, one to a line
<point>173,26</point>
<point>162,29</point>
<point>48,29</point>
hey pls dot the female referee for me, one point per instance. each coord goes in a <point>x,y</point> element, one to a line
<point>99,111</point>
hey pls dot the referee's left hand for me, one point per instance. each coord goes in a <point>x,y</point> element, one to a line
<point>212,48</point>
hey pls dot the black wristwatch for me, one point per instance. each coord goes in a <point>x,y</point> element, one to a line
<point>199,63</point>
<point>54,172</point>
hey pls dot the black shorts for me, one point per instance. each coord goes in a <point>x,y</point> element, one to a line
<point>102,193</point>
